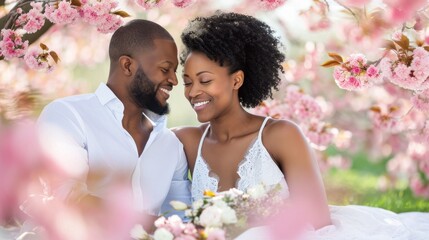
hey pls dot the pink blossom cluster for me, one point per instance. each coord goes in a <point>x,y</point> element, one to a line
<point>65,13</point>
<point>356,3</point>
<point>316,16</point>
<point>303,109</point>
<point>419,153</point>
<point>421,101</point>
<point>319,133</point>
<point>33,20</point>
<point>149,4</point>
<point>385,118</point>
<point>183,3</point>
<point>270,4</point>
<point>26,194</point>
<point>412,75</point>
<point>11,44</point>
<point>99,14</point>
<point>173,226</point>
<point>355,73</point>
<point>419,187</point>
<point>400,11</point>
<point>37,58</point>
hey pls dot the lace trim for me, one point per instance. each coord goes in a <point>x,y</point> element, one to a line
<point>256,167</point>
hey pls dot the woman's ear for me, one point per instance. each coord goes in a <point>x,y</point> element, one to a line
<point>125,64</point>
<point>238,78</point>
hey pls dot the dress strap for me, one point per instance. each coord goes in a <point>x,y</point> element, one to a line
<point>262,127</point>
<point>202,140</point>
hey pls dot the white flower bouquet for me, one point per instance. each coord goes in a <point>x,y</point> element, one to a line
<point>217,216</point>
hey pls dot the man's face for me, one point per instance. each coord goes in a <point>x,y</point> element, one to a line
<point>143,92</point>
<point>155,76</point>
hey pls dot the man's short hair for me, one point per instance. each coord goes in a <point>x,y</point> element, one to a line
<point>134,36</point>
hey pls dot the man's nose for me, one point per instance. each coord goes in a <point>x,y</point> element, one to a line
<point>173,79</point>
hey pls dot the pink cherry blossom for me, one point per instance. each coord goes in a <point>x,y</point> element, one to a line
<point>403,10</point>
<point>183,3</point>
<point>270,4</point>
<point>64,14</point>
<point>34,60</point>
<point>316,16</point>
<point>12,45</point>
<point>421,101</point>
<point>419,188</point>
<point>33,20</point>
<point>412,77</point>
<point>216,234</point>
<point>109,23</point>
<point>356,74</point>
<point>397,35</point>
<point>148,4</point>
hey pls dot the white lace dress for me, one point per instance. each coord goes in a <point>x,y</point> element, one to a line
<point>349,222</point>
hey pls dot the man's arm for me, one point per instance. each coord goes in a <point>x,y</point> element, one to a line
<point>180,186</point>
<point>63,139</point>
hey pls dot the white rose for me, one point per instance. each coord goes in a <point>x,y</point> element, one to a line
<point>220,203</point>
<point>256,192</point>
<point>163,234</point>
<point>178,205</point>
<point>211,217</point>
<point>197,204</point>
<point>175,220</point>
<point>228,216</point>
<point>138,232</point>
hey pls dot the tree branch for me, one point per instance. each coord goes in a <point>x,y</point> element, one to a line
<point>8,20</point>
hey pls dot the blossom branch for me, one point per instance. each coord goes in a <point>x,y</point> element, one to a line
<point>327,4</point>
<point>348,9</point>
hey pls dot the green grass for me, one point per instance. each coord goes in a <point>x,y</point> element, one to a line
<point>345,187</point>
<point>359,186</point>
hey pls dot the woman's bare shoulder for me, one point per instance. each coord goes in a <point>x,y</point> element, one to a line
<point>282,137</point>
<point>281,128</point>
<point>187,134</point>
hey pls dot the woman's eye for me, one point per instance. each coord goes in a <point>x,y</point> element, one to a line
<point>205,81</point>
<point>187,84</point>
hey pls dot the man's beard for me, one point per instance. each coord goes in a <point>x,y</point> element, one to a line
<point>143,92</point>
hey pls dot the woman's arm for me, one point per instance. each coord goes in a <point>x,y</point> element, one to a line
<point>289,147</point>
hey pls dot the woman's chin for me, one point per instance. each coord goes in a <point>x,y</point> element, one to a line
<point>203,119</point>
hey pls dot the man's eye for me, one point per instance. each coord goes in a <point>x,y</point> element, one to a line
<point>164,70</point>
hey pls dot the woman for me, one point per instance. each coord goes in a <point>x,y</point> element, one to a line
<point>232,61</point>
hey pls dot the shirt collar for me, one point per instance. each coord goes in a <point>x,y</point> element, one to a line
<point>105,95</point>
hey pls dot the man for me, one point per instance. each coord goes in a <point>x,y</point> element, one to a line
<point>120,130</point>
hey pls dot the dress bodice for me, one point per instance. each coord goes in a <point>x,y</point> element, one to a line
<point>256,167</point>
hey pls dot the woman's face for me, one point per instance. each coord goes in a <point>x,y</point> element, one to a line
<point>208,87</point>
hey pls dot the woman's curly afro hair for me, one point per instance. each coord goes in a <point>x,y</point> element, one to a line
<point>239,42</point>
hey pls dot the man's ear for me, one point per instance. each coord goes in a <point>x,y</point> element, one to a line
<point>126,65</point>
<point>238,78</point>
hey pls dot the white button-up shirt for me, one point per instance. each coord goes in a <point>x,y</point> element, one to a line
<point>96,151</point>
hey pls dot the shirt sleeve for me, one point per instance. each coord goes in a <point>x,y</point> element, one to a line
<point>179,188</point>
<point>62,136</point>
